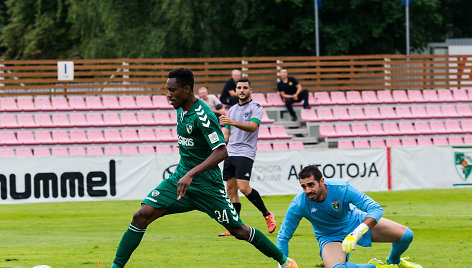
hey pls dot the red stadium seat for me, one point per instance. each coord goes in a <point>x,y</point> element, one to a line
<point>144,102</point>
<point>354,97</point>
<point>24,152</point>
<point>370,97</point>
<point>264,147</point>
<point>280,146</point>
<point>296,145</point>
<point>111,103</point>
<point>322,98</point>
<point>393,143</point>
<point>94,103</point>
<point>415,95</point>
<point>41,151</point>
<point>400,96</point>
<point>361,144</point>
<point>59,151</point>
<point>77,120</point>
<point>94,151</point>
<point>127,102</point>
<point>377,144</point>
<point>42,120</point>
<point>59,103</point>
<point>340,114</point>
<point>129,149</point>
<point>356,113</point>
<point>111,119</point>
<point>338,97</point>
<point>430,95</point>
<point>26,104</point>
<point>324,114</point>
<point>77,103</point>
<point>345,144</point>
<point>112,150</point>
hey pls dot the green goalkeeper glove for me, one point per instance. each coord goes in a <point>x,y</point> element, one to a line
<point>350,242</point>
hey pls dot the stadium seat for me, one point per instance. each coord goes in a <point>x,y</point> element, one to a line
<point>25,121</point>
<point>327,130</point>
<point>377,144</point>
<point>264,133</point>
<point>144,102</point>
<point>7,152</point>
<point>434,111</point>
<point>43,137</point>
<point>440,141</point>
<point>361,144</point>
<point>77,151</point>
<point>445,95</point>
<point>387,112</point>
<point>60,151</point>
<point>392,143</point>
<point>359,129</point>
<point>260,98</point>
<point>340,114</point>
<point>147,135</point>
<point>463,110</point>
<point>94,119</point>
<point>430,95</point>
<point>453,126</point>
<point>466,126</point>
<point>356,113</point>
<point>454,140</point>
<point>26,104</point>
<point>163,118</point>
<point>111,119</point>
<point>112,135</point>
<point>128,119</point>
<point>163,148</point>
<point>308,115</point>
<point>400,96</point>
<point>369,96</point>
<point>280,146</point>
<point>296,145</point>
<point>418,111</point>
<point>173,117</point>
<point>94,103</point>
<point>8,138</point>
<point>408,142</point>
<point>324,114</point>
<point>77,120</point>
<point>25,138</point>
<point>371,113</point>
<point>78,136</point>
<point>345,144</point>
<point>161,102</point>
<point>42,120</point>
<point>385,96</point>
<point>422,127</point>
<point>111,103</point>
<point>129,135</point>
<point>95,136</point>
<point>127,102</point>
<point>391,128</point>
<point>9,104</point>
<point>343,130</point>
<point>437,127</point>
<point>77,103</point>
<point>59,103</point>
<point>61,137</point>
<point>146,119</point>
<point>112,150</point>
<point>60,120</point>
<point>41,151</point>
<point>415,95</point>
<point>278,132</point>
<point>130,149</point>
<point>163,134</point>
<point>375,129</point>
<point>468,140</point>
<point>263,147</point>
<point>274,99</point>
<point>354,97</point>
<point>322,98</point>
<point>267,120</point>
<point>146,149</point>
<point>338,97</point>
<point>460,95</point>
<point>403,112</point>
<point>311,99</point>
<point>424,141</point>
<point>449,111</point>
<point>94,150</point>
<point>8,121</point>
<point>23,152</point>
<point>42,103</point>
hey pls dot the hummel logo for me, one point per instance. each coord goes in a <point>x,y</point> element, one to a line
<point>199,108</point>
<point>201,112</point>
<point>247,175</point>
<point>313,210</point>
<point>207,124</point>
<point>203,118</point>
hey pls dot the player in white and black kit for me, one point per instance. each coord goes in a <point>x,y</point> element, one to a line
<point>241,133</point>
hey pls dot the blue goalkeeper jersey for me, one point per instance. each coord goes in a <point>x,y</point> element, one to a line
<point>336,215</point>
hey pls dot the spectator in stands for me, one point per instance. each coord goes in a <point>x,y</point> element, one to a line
<point>241,134</point>
<point>228,95</point>
<point>291,91</point>
<point>212,101</point>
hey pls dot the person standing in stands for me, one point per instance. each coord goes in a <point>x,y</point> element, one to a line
<point>291,91</point>
<point>241,133</point>
<point>228,95</point>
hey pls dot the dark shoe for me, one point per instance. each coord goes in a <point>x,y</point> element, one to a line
<point>294,118</point>
<point>306,107</point>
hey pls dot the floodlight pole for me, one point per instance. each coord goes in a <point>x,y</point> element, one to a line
<point>317,37</point>
<point>407,18</point>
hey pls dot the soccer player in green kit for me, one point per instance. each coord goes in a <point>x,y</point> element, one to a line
<point>196,183</point>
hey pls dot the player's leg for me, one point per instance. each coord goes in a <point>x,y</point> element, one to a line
<point>229,176</point>
<point>334,257</point>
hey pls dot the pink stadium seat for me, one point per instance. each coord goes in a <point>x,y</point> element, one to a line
<point>264,133</point>
<point>175,148</point>
<point>43,137</point>
<point>280,146</point>
<point>129,135</point>
<point>144,102</point>
<point>400,96</point>
<point>453,126</point>
<point>146,119</point>
<point>95,136</point>
<point>308,115</point>
<point>371,113</point>
<point>296,145</point>
<point>260,98</point>
<point>130,149</point>
<point>424,141</point>
<point>338,97</point>
<point>94,103</point>
<point>345,144</point>
<point>356,113</point>
<point>377,144</point>
<point>445,95</point>
<point>161,102</point>
<point>163,118</point>
<point>359,130</point>
<point>324,114</point>
<point>449,111</point>
<point>385,96</point>
<point>147,149</point>
<point>342,130</point>
<point>7,152</point>
<point>8,121</point>
<point>422,127</point>
<point>77,151</point>
<point>77,103</point>
<point>354,97</point>
<point>415,95</point>
<point>468,140</point>
<point>24,152</point>
<point>61,137</point>
<point>94,119</point>
<point>9,105</point>
<point>440,141</point>
<point>60,120</point>
<point>128,119</point>
<point>463,110</point>
<point>391,128</point>
<point>42,103</point>
<point>127,102</point>
<point>111,119</point>
<point>460,95</point>
<point>163,148</point>
<point>437,127</point>
<point>430,95</point>
<point>94,150</point>
<point>77,120</point>
<point>369,96</point>
<point>322,98</point>
<point>361,144</point>
<point>327,130</point>
<point>78,136</point>
<point>114,150</point>
<point>163,134</point>
<point>147,134</point>
<point>392,143</point>
<point>42,120</point>
<point>111,103</point>
<point>26,121</point>
<point>26,104</point>
<point>375,129</point>
<point>409,142</point>
<point>340,114</point>
<point>173,117</point>
<point>311,99</point>
<point>455,140</point>
<point>263,147</point>
<point>112,135</point>
<point>267,120</point>
<point>387,112</point>
<point>403,112</point>
<point>418,111</point>
<point>41,151</point>
<point>59,103</point>
<point>466,126</point>
<point>8,138</point>
<point>25,138</point>
<point>434,111</point>
<point>278,132</point>
<point>275,100</point>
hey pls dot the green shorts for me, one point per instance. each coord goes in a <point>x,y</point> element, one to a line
<point>204,194</point>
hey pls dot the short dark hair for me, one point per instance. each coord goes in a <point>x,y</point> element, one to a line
<point>244,80</point>
<point>309,171</point>
<point>183,77</point>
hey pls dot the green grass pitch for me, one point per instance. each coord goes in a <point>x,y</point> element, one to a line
<point>79,234</point>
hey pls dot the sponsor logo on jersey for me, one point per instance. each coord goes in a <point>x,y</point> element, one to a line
<point>185,141</point>
<point>213,137</point>
<point>189,129</point>
<point>335,205</point>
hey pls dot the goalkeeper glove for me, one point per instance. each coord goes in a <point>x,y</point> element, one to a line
<point>349,243</point>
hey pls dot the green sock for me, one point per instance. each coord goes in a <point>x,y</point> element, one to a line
<point>129,242</point>
<point>264,245</point>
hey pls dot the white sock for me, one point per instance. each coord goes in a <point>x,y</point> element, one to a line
<point>286,264</point>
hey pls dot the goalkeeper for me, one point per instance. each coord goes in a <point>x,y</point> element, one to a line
<point>330,206</point>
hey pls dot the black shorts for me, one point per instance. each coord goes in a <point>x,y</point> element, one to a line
<point>238,167</point>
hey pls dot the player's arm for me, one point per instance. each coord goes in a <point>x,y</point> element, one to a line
<point>226,133</point>
<point>249,127</point>
<point>290,224</point>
